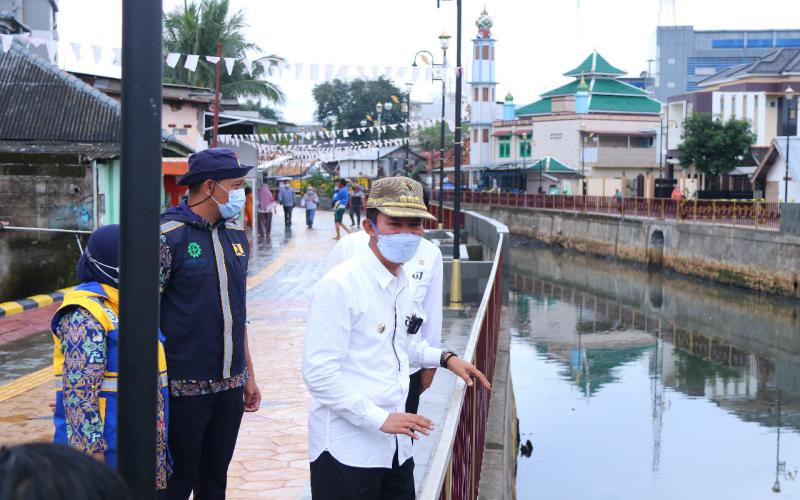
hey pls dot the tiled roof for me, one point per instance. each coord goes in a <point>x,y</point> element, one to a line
<point>595,64</point>
<point>623,104</point>
<point>608,86</point>
<point>540,107</point>
<point>567,89</point>
<point>88,151</point>
<point>778,62</point>
<point>40,102</point>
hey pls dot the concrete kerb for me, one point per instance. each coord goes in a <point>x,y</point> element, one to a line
<point>32,302</point>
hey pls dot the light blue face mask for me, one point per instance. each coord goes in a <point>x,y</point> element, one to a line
<point>398,248</point>
<point>234,205</point>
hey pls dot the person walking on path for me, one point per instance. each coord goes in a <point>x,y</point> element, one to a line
<point>287,201</point>
<point>357,354</point>
<point>266,207</point>
<point>356,202</point>
<point>204,258</point>
<point>310,201</point>
<point>85,359</point>
<point>340,200</point>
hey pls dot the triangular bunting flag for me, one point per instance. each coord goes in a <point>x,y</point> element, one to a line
<point>414,73</point>
<point>172,59</point>
<point>191,62</point>
<point>76,49</point>
<point>98,53</point>
<point>6,41</point>
<point>212,59</point>
<point>248,65</point>
<point>329,72</point>
<point>298,70</point>
<point>117,56</point>
<point>229,62</point>
<point>36,42</point>
<point>313,72</point>
<point>342,74</point>
<point>52,50</point>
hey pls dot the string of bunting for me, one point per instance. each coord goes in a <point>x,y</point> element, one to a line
<point>314,151</point>
<point>348,133</point>
<point>299,70</point>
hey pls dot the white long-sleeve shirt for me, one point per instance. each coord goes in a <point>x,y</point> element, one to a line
<point>356,362</point>
<point>425,275</point>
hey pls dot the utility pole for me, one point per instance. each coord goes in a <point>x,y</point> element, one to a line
<point>455,281</point>
<point>215,131</point>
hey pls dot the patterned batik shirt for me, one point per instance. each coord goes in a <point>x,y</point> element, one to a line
<point>83,345</point>
<point>192,387</point>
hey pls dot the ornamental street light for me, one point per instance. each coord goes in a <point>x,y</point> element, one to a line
<point>788,95</point>
<point>379,109</point>
<point>405,109</point>
<point>455,284</point>
<point>444,43</point>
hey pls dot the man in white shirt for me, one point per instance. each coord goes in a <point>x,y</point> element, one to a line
<point>358,350</point>
<point>424,272</point>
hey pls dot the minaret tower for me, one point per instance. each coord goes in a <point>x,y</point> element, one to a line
<point>482,92</point>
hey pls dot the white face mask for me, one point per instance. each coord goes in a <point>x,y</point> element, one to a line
<point>234,205</point>
<point>398,248</point>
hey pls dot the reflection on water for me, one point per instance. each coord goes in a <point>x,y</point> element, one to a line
<point>634,385</point>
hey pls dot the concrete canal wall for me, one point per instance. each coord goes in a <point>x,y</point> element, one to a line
<point>761,260</point>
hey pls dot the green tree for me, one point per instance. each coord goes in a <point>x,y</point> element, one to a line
<point>430,137</point>
<point>353,101</point>
<point>195,28</point>
<point>266,112</point>
<point>714,147</point>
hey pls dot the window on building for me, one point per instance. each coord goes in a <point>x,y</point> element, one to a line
<point>759,42</point>
<point>475,136</point>
<point>525,146</point>
<point>492,95</point>
<point>477,52</point>
<point>733,106</point>
<point>504,147</point>
<point>556,136</point>
<point>486,135</point>
<point>475,94</point>
<point>787,42</point>
<point>485,53</point>
<point>485,94</point>
<point>731,43</point>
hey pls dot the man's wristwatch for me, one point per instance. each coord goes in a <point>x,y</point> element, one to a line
<point>445,357</point>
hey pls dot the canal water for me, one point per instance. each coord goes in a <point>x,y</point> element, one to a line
<point>632,384</point>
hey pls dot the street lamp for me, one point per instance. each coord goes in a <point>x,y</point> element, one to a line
<point>455,283</point>
<point>379,109</point>
<point>444,43</point>
<point>788,95</point>
<point>332,121</point>
<point>405,108</point>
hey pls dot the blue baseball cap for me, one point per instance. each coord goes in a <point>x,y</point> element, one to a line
<point>215,164</point>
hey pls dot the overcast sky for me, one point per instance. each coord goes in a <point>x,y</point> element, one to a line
<point>537,40</point>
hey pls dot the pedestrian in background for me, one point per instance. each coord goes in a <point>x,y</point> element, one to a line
<point>266,207</point>
<point>248,208</point>
<point>356,202</point>
<point>85,359</point>
<point>204,259</point>
<point>340,200</point>
<point>310,201</point>
<point>287,201</point>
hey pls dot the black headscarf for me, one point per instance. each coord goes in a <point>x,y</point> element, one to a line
<point>103,248</point>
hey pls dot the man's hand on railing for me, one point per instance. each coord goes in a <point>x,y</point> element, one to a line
<point>408,424</point>
<point>467,371</point>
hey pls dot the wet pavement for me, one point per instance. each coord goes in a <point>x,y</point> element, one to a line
<point>271,458</point>
<point>632,384</point>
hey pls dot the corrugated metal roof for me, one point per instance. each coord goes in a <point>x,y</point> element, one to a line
<point>88,151</point>
<point>40,102</point>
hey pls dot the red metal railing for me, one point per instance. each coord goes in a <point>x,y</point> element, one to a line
<point>758,214</point>
<point>455,466</point>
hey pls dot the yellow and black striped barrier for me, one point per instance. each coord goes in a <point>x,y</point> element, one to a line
<point>32,302</point>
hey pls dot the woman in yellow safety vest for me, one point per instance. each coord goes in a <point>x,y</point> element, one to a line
<point>85,359</point>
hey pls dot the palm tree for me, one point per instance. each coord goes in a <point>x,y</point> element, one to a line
<point>195,28</point>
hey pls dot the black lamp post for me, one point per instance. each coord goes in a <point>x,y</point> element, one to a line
<point>405,109</point>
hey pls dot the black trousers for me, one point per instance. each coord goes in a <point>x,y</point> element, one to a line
<point>287,216</point>
<point>414,390</point>
<point>332,480</point>
<point>202,436</point>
